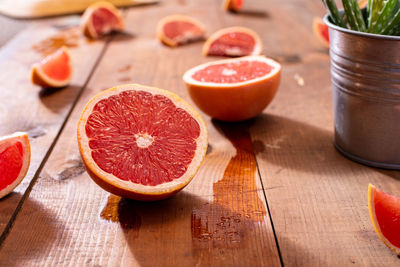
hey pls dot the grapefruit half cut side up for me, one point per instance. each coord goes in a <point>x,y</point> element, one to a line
<point>233,5</point>
<point>55,70</point>
<point>175,30</point>
<point>321,31</point>
<point>233,42</point>
<point>234,89</point>
<point>384,210</point>
<point>15,156</point>
<point>100,19</point>
<point>141,142</point>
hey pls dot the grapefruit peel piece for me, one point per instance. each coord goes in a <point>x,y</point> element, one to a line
<point>321,31</point>
<point>129,189</point>
<point>187,37</point>
<point>233,5</point>
<point>392,207</point>
<point>257,49</point>
<point>7,142</point>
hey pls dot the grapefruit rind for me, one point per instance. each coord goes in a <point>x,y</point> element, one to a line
<point>177,17</point>
<point>234,101</point>
<point>128,189</point>
<point>4,143</point>
<point>316,22</point>
<point>258,47</point>
<point>40,78</point>
<point>230,5</point>
<point>371,208</point>
<point>87,23</point>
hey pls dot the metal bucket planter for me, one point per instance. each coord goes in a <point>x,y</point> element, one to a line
<point>365,73</point>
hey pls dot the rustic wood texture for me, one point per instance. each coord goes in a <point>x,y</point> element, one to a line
<point>27,107</point>
<point>282,163</point>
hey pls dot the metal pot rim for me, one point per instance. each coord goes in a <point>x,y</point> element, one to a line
<point>363,34</point>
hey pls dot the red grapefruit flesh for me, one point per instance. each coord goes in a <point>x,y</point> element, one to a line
<point>55,70</point>
<point>384,210</point>
<point>100,19</point>
<point>234,89</point>
<point>15,157</point>
<point>233,42</point>
<point>141,142</point>
<point>175,30</point>
<point>321,31</point>
<point>233,5</point>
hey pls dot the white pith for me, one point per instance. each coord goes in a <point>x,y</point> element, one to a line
<point>202,142</point>
<point>7,141</point>
<point>187,77</point>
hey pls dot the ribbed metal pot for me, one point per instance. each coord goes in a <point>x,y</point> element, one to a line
<point>365,73</point>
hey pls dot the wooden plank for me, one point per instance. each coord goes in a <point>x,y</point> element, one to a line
<point>26,107</point>
<point>219,219</point>
<point>318,198</point>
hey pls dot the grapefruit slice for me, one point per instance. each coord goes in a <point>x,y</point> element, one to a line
<point>141,142</point>
<point>233,42</point>
<point>100,19</point>
<point>175,30</point>
<point>55,70</point>
<point>15,156</point>
<point>233,5</point>
<point>384,210</point>
<point>321,31</point>
<point>234,89</point>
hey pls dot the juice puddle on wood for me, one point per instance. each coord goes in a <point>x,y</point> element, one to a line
<point>68,38</point>
<point>236,204</point>
<point>122,210</point>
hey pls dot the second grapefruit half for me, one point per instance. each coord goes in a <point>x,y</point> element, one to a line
<point>141,142</point>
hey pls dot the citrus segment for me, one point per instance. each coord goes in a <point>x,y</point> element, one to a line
<point>321,31</point>
<point>233,42</point>
<point>140,142</point>
<point>101,18</point>
<point>14,161</point>
<point>234,89</point>
<point>55,70</point>
<point>233,5</point>
<point>384,210</point>
<point>177,30</point>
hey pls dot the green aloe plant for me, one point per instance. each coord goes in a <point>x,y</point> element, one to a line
<point>380,16</point>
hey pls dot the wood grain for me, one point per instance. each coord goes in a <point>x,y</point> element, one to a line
<point>26,107</point>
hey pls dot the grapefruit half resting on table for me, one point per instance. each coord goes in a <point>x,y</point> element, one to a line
<point>177,30</point>
<point>15,156</point>
<point>55,70</point>
<point>233,42</point>
<point>233,5</point>
<point>101,18</point>
<point>141,142</point>
<point>234,89</point>
<point>321,31</point>
<point>384,210</point>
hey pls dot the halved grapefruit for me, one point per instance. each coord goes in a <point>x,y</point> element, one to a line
<point>234,89</point>
<point>101,18</point>
<point>384,210</point>
<point>177,30</point>
<point>321,31</point>
<point>233,42</point>
<point>55,70</point>
<point>15,156</point>
<point>141,142</point>
<point>233,5</point>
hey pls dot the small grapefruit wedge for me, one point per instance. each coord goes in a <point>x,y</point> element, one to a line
<point>233,42</point>
<point>141,142</point>
<point>234,89</point>
<point>54,71</point>
<point>15,156</point>
<point>175,30</point>
<point>100,19</point>
<point>384,210</point>
<point>233,5</point>
<point>321,31</point>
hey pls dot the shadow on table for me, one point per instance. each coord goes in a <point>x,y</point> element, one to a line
<point>56,99</point>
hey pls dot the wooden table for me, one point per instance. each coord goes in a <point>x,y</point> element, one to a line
<point>272,191</point>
